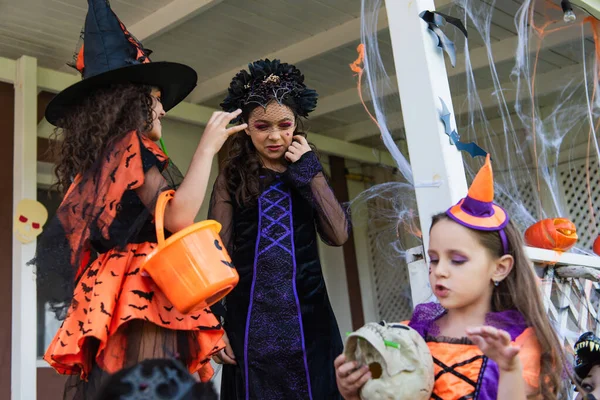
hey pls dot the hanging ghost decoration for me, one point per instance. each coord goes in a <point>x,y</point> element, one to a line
<point>30,216</point>
<point>399,360</point>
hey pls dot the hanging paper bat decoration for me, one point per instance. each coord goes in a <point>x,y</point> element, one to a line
<point>434,20</point>
<point>472,148</point>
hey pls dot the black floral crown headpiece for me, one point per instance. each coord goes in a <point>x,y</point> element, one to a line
<point>267,81</point>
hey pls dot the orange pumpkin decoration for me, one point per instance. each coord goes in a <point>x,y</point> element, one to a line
<point>558,234</point>
<point>596,247</point>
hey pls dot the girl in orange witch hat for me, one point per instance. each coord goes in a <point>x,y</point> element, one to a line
<point>111,170</point>
<point>489,335</point>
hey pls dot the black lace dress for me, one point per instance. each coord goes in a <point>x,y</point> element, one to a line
<point>279,319</point>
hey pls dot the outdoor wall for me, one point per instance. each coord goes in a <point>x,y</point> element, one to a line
<point>181,140</point>
<point>363,255</point>
<point>6,217</point>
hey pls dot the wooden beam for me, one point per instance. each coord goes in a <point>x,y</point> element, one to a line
<point>7,114</point>
<point>7,70</point>
<point>591,6</point>
<point>340,188</point>
<point>43,99</point>
<point>170,16</point>
<point>320,43</point>
<point>54,81</point>
<point>502,51</point>
<point>423,82</point>
<point>24,299</point>
<point>43,150</point>
<point>548,83</point>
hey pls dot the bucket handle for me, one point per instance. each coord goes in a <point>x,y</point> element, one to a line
<point>159,216</point>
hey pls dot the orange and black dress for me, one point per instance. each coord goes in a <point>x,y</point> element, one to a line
<point>88,265</point>
<point>461,369</point>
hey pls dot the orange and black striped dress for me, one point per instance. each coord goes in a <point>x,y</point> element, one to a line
<point>114,314</point>
<point>461,369</point>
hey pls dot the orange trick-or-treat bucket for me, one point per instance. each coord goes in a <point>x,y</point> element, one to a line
<point>191,267</point>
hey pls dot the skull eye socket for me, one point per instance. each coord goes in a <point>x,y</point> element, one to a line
<point>376,370</point>
<point>35,225</point>
<point>23,219</point>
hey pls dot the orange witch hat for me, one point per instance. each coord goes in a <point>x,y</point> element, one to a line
<point>477,210</point>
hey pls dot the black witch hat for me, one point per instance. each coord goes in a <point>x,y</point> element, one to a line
<point>110,55</point>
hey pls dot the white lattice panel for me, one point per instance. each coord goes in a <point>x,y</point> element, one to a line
<point>568,306</point>
<point>519,203</point>
<point>392,287</point>
<point>390,272</point>
<point>573,181</point>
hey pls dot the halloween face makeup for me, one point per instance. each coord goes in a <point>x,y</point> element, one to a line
<point>271,130</point>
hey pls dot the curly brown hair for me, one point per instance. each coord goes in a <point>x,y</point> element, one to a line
<point>520,291</point>
<point>242,165</point>
<point>104,117</point>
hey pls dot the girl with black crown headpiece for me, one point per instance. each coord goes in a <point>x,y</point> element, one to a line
<point>111,172</point>
<point>272,199</point>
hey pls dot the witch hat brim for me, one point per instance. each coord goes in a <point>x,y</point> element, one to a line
<point>477,210</point>
<point>495,220</point>
<point>175,81</point>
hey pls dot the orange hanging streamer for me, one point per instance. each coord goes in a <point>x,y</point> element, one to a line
<point>357,66</point>
<point>80,65</point>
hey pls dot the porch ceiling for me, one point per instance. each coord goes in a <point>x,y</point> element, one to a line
<point>219,37</point>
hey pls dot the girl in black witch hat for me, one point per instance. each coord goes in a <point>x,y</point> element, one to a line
<point>587,366</point>
<point>111,170</point>
<point>272,199</point>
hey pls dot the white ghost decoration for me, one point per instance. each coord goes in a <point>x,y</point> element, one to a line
<point>30,216</point>
<point>399,360</point>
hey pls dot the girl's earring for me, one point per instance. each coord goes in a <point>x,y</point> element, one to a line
<point>496,283</point>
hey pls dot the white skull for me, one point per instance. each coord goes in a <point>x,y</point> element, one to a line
<point>399,360</point>
<point>30,216</point>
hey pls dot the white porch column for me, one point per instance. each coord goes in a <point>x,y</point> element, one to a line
<point>422,81</point>
<point>24,294</point>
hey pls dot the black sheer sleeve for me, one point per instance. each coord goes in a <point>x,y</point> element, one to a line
<point>333,221</point>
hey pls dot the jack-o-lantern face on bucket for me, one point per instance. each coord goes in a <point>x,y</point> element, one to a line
<point>557,234</point>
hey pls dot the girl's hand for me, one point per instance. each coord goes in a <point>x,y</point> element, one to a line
<point>349,377</point>
<point>298,147</point>
<point>216,131</point>
<point>496,344</point>
<point>226,355</point>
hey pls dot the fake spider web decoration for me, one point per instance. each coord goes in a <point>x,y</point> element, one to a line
<point>578,200</point>
<point>532,110</point>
